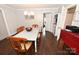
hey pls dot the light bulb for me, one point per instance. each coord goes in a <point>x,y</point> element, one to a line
<point>31,13</point>
<point>25,13</point>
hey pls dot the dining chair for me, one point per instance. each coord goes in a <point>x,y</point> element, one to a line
<point>35,25</point>
<point>20,29</point>
<point>20,45</point>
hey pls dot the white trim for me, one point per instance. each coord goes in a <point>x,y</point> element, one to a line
<point>5,21</point>
<point>6,5</point>
<point>38,9</point>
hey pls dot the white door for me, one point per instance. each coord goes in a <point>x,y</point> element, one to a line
<point>3,30</point>
<point>50,23</point>
<point>53,24</point>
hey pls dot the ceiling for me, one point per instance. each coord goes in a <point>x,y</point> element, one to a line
<point>23,6</point>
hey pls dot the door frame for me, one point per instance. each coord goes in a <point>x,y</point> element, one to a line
<point>68,10</point>
<point>52,15</point>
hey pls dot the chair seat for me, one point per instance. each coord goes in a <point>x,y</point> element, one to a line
<point>35,25</point>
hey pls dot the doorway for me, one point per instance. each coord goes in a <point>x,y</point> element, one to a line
<point>50,21</point>
<point>70,16</point>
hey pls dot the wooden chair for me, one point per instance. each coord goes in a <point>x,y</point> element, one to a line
<point>35,25</point>
<point>20,45</point>
<point>21,28</point>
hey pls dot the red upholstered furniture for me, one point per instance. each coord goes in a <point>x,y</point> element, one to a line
<point>71,40</point>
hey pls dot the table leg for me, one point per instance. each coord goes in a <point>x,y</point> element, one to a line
<point>35,46</point>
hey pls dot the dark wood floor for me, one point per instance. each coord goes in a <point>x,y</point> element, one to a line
<point>47,46</point>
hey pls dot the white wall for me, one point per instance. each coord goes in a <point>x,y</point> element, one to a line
<point>12,21</point>
<point>3,29</point>
<point>38,15</point>
<point>25,22</point>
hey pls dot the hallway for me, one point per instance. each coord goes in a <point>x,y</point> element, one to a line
<point>48,44</point>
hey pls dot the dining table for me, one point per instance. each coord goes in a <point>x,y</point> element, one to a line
<point>29,35</point>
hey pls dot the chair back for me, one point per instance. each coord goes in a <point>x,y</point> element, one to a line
<point>35,25</point>
<point>21,28</point>
<point>18,44</point>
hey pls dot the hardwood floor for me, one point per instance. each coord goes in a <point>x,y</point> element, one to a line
<point>5,47</point>
<point>46,46</point>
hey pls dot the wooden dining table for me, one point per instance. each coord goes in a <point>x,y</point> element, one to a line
<point>29,35</point>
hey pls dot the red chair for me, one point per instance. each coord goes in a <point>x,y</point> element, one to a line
<point>20,45</point>
<point>19,29</point>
